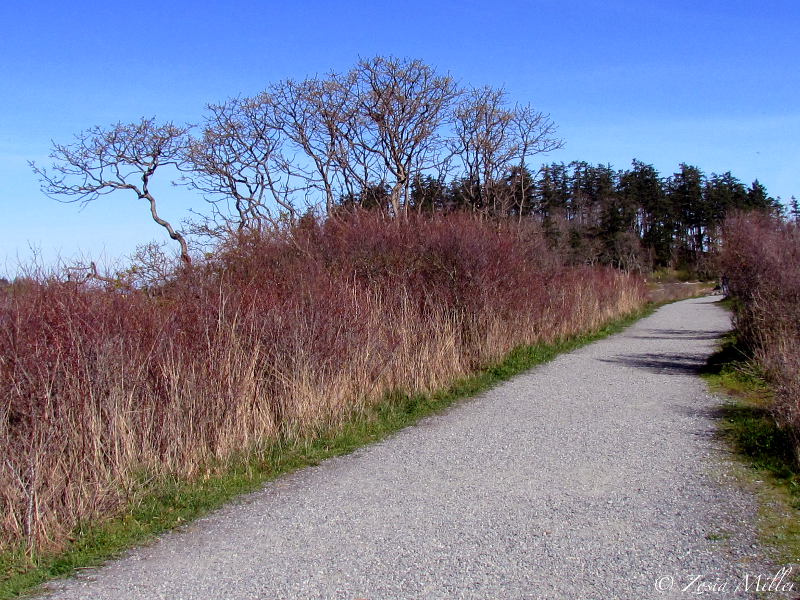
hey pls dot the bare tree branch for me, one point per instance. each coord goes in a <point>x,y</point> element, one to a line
<point>239,160</point>
<point>318,117</point>
<point>122,157</point>
<point>484,142</point>
<point>403,104</point>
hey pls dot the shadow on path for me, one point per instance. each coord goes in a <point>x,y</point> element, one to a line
<point>677,364</point>
<point>677,334</point>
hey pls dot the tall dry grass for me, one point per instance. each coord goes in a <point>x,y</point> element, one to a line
<point>761,258</point>
<point>276,336</point>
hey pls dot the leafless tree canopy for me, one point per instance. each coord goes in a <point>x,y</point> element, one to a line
<point>362,137</point>
<point>317,118</point>
<point>483,140</point>
<point>494,141</point>
<point>365,135</point>
<point>238,159</point>
<point>404,105</point>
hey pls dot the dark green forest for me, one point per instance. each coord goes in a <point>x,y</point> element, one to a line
<point>634,219</point>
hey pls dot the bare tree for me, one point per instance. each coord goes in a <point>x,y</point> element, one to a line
<point>239,159</point>
<point>122,157</point>
<point>403,103</point>
<point>483,141</point>
<point>318,117</point>
<point>494,143</point>
<point>534,133</point>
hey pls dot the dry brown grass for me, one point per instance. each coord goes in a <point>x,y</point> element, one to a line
<point>660,293</point>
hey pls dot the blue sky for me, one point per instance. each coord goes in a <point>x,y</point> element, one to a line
<point>711,83</point>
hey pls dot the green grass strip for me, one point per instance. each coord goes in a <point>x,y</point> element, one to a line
<point>761,445</point>
<point>172,503</point>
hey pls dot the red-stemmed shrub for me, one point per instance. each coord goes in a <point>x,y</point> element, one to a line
<point>277,335</point>
<point>761,259</point>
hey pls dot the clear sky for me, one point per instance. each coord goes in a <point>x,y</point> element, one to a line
<point>714,83</point>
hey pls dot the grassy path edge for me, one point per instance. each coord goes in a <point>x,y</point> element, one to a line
<point>170,504</point>
<point>762,450</point>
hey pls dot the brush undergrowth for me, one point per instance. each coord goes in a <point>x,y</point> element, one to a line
<point>761,258</point>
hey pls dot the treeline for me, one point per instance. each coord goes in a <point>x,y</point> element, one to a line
<point>633,219</point>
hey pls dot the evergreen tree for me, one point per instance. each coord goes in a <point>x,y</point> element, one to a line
<point>721,194</point>
<point>685,190</point>
<point>429,194</point>
<point>643,186</point>
<point>758,199</point>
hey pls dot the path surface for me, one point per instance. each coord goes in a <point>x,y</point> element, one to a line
<point>594,476</point>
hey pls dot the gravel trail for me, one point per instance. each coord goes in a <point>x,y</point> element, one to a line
<point>596,476</point>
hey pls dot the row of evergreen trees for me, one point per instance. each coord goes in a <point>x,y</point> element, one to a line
<point>633,219</point>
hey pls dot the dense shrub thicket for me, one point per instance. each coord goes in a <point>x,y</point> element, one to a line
<point>761,258</point>
<point>277,336</point>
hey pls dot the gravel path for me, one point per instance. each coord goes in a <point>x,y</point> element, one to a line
<point>594,476</point>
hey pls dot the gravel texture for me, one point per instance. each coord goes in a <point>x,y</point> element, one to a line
<point>595,476</point>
